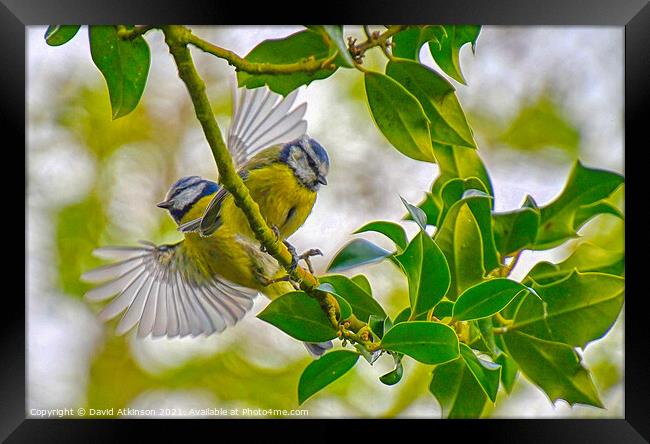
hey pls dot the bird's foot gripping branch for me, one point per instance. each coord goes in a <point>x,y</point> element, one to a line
<point>466,317</point>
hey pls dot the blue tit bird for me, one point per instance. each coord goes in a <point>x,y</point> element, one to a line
<point>208,281</point>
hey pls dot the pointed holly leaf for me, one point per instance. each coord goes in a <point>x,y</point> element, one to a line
<point>457,390</point>
<point>399,116</point>
<point>587,212</point>
<point>448,124</point>
<point>124,63</point>
<point>427,272</point>
<point>416,214</point>
<point>487,373</point>
<point>357,252</point>
<point>363,304</point>
<point>517,229</point>
<point>446,52</point>
<point>57,35</point>
<point>430,209</point>
<point>586,257</point>
<point>585,187</point>
<point>391,230</point>
<point>292,49</point>
<point>459,162</point>
<point>575,310</point>
<point>427,342</point>
<point>486,299</point>
<point>407,44</point>
<point>300,316</point>
<point>554,367</point>
<point>323,371</point>
<point>362,281</point>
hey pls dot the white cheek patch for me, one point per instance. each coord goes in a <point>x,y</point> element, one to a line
<point>186,197</point>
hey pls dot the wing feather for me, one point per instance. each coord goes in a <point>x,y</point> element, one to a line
<point>160,290</point>
<point>262,118</point>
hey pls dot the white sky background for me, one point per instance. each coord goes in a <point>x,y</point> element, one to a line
<point>367,176</point>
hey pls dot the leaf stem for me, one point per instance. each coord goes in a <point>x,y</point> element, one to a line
<point>129,34</point>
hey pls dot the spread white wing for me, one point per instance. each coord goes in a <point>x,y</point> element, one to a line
<point>159,290</point>
<point>261,119</point>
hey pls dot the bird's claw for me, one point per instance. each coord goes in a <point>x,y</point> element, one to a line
<point>276,231</point>
<point>295,257</point>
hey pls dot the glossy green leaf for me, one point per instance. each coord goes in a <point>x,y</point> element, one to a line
<point>57,35</point>
<point>486,298</point>
<point>448,124</point>
<point>444,309</point>
<point>427,342</point>
<point>391,230</point>
<point>416,214</point>
<point>587,212</point>
<point>300,316</point>
<point>586,257</point>
<point>486,330</point>
<point>124,63</point>
<point>459,238</point>
<point>427,272</point>
<point>357,252</point>
<point>509,371</point>
<point>459,162</point>
<point>446,52</point>
<point>576,310</point>
<point>556,368</point>
<point>399,116</point>
<point>395,375</point>
<point>287,50</point>
<point>405,314</point>
<point>458,392</point>
<point>407,44</point>
<point>430,208</point>
<point>363,305</point>
<point>487,373</point>
<point>344,307</point>
<point>379,325</point>
<point>585,187</point>
<point>323,371</point>
<point>335,39</point>
<point>362,281</point>
<point>517,229</point>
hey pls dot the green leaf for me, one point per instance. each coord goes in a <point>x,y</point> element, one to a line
<point>362,281</point>
<point>430,209</point>
<point>357,252</point>
<point>584,187</point>
<point>391,230</point>
<point>427,272</point>
<point>576,310</point>
<point>323,371</point>
<point>427,342</point>
<point>394,376</point>
<point>446,52</point>
<point>444,309</point>
<point>587,212</point>
<point>334,38</point>
<point>407,44</point>
<point>287,50</point>
<point>363,305</point>
<point>509,371</point>
<point>416,214</point>
<point>344,306</point>
<point>459,238</point>
<point>124,65</point>
<point>399,116</point>
<point>300,316</point>
<point>57,35</point>
<point>457,390</point>
<point>556,368</point>
<point>448,124</point>
<point>516,230</point>
<point>586,257</point>
<point>459,162</point>
<point>486,298</point>
<point>405,314</point>
<point>487,373</point>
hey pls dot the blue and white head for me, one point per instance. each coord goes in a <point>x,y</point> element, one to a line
<point>185,193</point>
<point>308,160</point>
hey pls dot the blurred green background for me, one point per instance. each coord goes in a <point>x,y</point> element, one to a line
<point>538,98</point>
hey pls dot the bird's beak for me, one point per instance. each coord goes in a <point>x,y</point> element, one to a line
<point>164,204</point>
<point>322,180</point>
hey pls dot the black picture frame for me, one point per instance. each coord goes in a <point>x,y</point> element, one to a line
<point>634,15</point>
